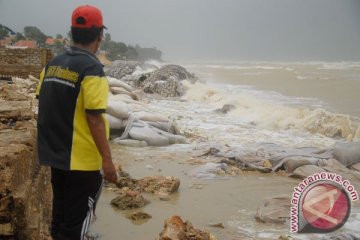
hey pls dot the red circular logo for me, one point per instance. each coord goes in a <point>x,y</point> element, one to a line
<point>326,207</point>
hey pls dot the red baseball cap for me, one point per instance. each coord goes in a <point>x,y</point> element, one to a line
<point>87,16</point>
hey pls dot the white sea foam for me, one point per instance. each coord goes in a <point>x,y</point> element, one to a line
<point>273,111</point>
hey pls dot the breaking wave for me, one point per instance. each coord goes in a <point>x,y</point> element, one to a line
<point>278,114</point>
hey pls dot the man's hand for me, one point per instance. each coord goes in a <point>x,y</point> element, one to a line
<point>110,173</point>
<point>97,129</point>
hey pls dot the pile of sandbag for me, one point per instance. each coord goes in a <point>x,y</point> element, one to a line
<point>343,159</point>
<point>165,81</point>
<point>138,125</point>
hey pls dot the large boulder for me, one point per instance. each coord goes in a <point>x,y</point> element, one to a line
<point>122,68</point>
<point>166,81</point>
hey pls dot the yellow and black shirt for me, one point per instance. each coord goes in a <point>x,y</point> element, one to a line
<point>71,85</point>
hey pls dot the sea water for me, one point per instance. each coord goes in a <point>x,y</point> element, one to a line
<point>290,104</point>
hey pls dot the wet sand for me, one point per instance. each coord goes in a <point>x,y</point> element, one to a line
<point>231,200</point>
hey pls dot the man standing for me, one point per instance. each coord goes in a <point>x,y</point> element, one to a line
<point>72,130</point>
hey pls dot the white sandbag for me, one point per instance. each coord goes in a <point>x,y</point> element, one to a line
<point>293,162</point>
<point>117,109</point>
<point>120,90</point>
<point>114,122</point>
<point>347,153</point>
<point>125,98</point>
<point>305,171</point>
<point>274,210</point>
<point>355,167</point>
<point>207,171</point>
<point>147,134</point>
<point>136,107</point>
<point>165,126</point>
<point>151,117</point>
<point>173,139</point>
<point>130,142</point>
<point>114,82</point>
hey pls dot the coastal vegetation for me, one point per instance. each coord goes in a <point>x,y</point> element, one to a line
<point>113,50</point>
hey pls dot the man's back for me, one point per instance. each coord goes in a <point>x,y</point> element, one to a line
<point>73,84</point>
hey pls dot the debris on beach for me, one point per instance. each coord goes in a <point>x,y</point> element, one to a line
<point>158,185</point>
<point>274,210</point>
<point>176,229</point>
<point>138,216</point>
<point>343,159</point>
<point>129,200</point>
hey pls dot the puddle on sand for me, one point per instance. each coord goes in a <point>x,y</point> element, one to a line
<point>232,201</point>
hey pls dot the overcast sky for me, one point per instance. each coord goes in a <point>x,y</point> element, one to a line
<point>212,30</point>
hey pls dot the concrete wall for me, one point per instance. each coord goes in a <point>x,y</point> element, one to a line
<point>23,62</point>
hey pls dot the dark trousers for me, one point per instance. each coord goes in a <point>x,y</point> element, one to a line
<point>75,194</point>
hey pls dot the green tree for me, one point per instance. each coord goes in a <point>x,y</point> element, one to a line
<point>3,32</point>
<point>131,53</point>
<point>106,42</point>
<point>35,33</point>
<point>18,37</point>
<point>59,36</point>
<point>116,50</point>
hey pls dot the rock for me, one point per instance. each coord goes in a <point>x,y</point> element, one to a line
<point>305,171</point>
<point>16,110</point>
<point>274,210</point>
<point>159,184</point>
<point>139,216</point>
<point>166,81</point>
<point>176,229</point>
<point>129,201</point>
<point>120,68</point>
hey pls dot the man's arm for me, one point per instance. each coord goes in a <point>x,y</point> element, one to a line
<point>97,129</point>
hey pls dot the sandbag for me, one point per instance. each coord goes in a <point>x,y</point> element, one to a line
<point>274,210</point>
<point>120,90</point>
<point>332,165</point>
<point>165,126</point>
<point>114,122</point>
<point>135,107</point>
<point>305,171</point>
<point>145,133</point>
<point>355,167</point>
<point>130,142</point>
<point>114,82</point>
<point>151,117</point>
<point>291,163</point>
<point>347,153</point>
<point>126,99</point>
<point>117,109</point>
<point>173,139</point>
